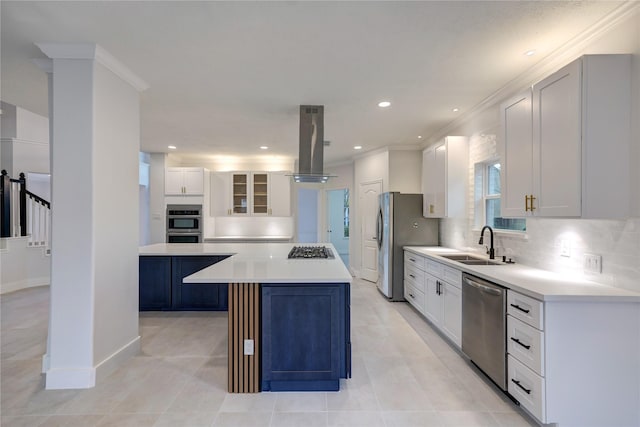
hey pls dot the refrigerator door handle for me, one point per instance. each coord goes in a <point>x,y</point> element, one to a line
<point>379,229</point>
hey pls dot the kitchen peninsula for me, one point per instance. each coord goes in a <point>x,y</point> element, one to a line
<point>289,319</point>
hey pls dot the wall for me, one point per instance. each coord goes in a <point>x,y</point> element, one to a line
<point>307,215</point>
<point>22,266</point>
<point>115,230</point>
<point>405,168</point>
<point>617,241</point>
<point>25,141</point>
<point>157,222</point>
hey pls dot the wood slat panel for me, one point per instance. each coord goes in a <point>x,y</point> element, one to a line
<point>244,323</point>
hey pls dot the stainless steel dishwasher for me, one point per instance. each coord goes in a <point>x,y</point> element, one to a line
<point>484,328</point>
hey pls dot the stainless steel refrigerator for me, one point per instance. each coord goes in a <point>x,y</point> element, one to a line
<point>400,223</point>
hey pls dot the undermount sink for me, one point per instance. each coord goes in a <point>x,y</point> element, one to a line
<point>470,259</point>
<point>478,262</point>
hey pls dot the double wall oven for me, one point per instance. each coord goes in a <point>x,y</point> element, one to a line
<point>184,223</point>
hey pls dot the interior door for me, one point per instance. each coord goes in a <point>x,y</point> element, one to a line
<point>369,192</point>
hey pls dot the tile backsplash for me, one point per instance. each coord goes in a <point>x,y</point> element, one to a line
<point>553,244</point>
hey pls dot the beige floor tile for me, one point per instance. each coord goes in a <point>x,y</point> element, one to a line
<point>243,419</point>
<point>513,419</point>
<point>402,397</point>
<point>356,418</point>
<point>129,420</point>
<point>467,419</point>
<point>301,402</point>
<point>23,420</point>
<point>72,421</point>
<point>412,419</point>
<point>361,398</point>
<point>194,419</point>
<point>299,419</point>
<point>256,402</point>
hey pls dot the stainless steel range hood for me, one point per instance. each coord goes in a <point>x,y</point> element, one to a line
<point>311,145</point>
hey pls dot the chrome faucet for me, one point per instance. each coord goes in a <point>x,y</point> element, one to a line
<point>490,251</point>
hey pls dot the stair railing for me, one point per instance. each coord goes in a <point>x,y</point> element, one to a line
<point>23,213</point>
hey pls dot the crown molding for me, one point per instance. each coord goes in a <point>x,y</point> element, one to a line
<point>566,53</point>
<point>95,52</point>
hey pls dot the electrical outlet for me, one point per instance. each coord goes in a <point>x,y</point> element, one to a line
<point>592,263</point>
<point>248,347</point>
<point>565,248</point>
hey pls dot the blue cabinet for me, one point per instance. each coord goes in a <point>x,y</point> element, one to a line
<point>196,296</point>
<point>161,287</point>
<point>305,336</point>
<point>154,282</point>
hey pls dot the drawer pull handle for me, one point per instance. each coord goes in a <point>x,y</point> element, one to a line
<point>411,275</point>
<point>412,260</point>
<point>516,382</point>
<point>521,343</point>
<point>411,295</point>
<point>519,308</point>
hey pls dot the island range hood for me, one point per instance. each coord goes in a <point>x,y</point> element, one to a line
<point>311,146</point>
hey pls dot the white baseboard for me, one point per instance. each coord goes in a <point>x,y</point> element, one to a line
<point>70,378</point>
<point>24,284</point>
<point>45,363</point>
<point>113,362</point>
<point>79,378</point>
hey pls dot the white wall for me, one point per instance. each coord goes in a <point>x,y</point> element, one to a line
<point>617,241</point>
<point>405,168</point>
<point>25,141</point>
<point>115,210</point>
<point>157,206</point>
<point>308,211</point>
<point>22,266</point>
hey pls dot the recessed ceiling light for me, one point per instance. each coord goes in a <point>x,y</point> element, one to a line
<point>455,110</point>
<point>172,147</point>
<point>530,52</point>
<point>419,136</point>
<point>384,104</point>
<point>357,147</point>
<point>264,147</point>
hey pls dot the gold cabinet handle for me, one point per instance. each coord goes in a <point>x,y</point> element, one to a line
<point>531,207</point>
<point>526,203</point>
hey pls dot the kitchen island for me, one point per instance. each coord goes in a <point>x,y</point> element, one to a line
<point>289,319</point>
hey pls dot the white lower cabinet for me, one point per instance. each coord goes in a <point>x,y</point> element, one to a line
<point>527,387</point>
<point>434,289</point>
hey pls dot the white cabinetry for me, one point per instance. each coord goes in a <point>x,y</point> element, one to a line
<point>575,127</point>
<point>184,181</point>
<point>574,362</point>
<point>250,193</point>
<point>444,178</point>
<point>434,289</point>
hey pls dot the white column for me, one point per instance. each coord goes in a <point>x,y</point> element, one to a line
<point>94,262</point>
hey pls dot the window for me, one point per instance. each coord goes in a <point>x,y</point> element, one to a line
<point>487,199</point>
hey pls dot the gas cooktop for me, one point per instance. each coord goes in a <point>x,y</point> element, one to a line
<point>306,252</point>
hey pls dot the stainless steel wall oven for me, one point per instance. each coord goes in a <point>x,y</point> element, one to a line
<point>184,223</point>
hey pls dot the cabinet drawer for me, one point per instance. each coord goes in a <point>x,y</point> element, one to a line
<point>452,276</point>
<point>434,268</point>
<point>415,260</point>
<point>525,343</point>
<point>525,308</point>
<point>414,296</point>
<point>527,387</point>
<point>414,275</point>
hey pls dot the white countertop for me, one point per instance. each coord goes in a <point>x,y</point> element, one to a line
<point>255,263</point>
<point>540,284</point>
<point>231,239</point>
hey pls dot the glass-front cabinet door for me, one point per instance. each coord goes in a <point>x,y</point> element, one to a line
<point>240,196</point>
<point>260,193</point>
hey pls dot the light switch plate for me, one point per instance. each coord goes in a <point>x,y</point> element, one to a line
<point>592,263</point>
<point>248,348</point>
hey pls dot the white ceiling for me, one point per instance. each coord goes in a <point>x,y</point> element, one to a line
<point>227,77</point>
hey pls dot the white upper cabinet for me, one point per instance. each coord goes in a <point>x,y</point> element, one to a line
<point>516,166</point>
<point>184,181</point>
<point>565,145</point>
<point>250,193</point>
<point>444,178</point>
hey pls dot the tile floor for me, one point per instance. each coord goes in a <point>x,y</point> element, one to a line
<point>404,374</point>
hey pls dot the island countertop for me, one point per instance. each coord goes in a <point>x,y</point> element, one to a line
<point>255,263</point>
